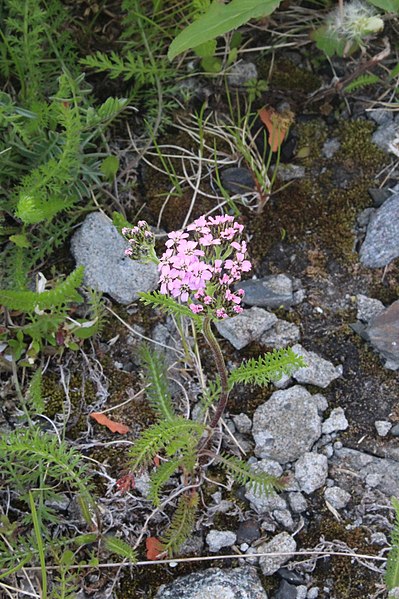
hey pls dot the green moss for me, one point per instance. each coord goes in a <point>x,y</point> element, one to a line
<point>357,151</point>
<point>311,138</point>
<point>80,392</point>
<point>287,76</point>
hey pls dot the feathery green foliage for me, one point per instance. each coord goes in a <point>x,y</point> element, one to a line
<point>157,391</point>
<point>29,301</point>
<point>243,474</point>
<point>161,476</point>
<point>27,49</point>
<point>392,570</point>
<point>169,436</point>
<point>129,66</point>
<point>28,455</point>
<point>266,368</point>
<point>35,392</point>
<point>119,547</point>
<point>361,82</point>
<point>182,523</point>
<point>169,305</point>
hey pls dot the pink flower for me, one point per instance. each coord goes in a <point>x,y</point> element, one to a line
<point>221,313</point>
<point>196,308</point>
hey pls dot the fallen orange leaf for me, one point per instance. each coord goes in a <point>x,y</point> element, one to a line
<point>277,125</point>
<point>114,427</point>
<point>154,548</point>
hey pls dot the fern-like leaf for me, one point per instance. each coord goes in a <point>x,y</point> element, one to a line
<point>160,477</point>
<point>259,482</point>
<point>157,392</point>
<point>392,571</point>
<point>28,301</point>
<point>182,523</point>
<point>169,305</point>
<point>35,392</point>
<point>179,434</point>
<point>361,81</point>
<point>270,367</point>
<point>129,66</point>
<point>119,547</point>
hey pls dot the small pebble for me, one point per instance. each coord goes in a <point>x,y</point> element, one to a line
<point>383,427</point>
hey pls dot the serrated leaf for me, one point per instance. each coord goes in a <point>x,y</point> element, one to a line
<point>219,19</point>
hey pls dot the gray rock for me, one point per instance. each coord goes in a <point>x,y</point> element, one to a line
<point>237,583</point>
<point>286,591</point>
<point>281,543</point>
<point>287,425</point>
<point>60,503</point>
<point>311,471</point>
<point>384,137</point>
<point>281,334</point>
<point>217,539</point>
<point>379,195</point>
<point>98,246</point>
<point>260,502</point>
<point>381,473</point>
<point>381,244</point>
<point>237,180</point>
<point>368,307</point>
<point>394,593</point>
<point>383,331</point>
<point>318,371</point>
<point>248,531</point>
<point>246,327</point>
<point>335,422</point>
<point>284,518</point>
<point>297,502</point>
<point>242,422</point>
<point>378,538</point>
<point>395,430</point>
<point>301,592</point>
<point>313,593</point>
<point>337,497</point>
<point>380,116</point>
<point>382,427</point>
<point>289,172</point>
<point>272,291</point>
<point>331,147</point>
<point>241,73</point>
<point>291,576</point>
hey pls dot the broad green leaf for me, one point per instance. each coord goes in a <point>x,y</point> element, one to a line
<point>327,42</point>
<point>387,5</point>
<point>211,64</point>
<point>20,240</point>
<point>206,49</point>
<point>109,167</point>
<point>219,19</point>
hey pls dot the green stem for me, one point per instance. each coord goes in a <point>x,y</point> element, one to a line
<point>221,368</point>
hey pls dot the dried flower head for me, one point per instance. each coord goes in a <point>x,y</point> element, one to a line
<point>354,21</point>
<point>141,242</point>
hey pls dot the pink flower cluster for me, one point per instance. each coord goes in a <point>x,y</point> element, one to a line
<point>141,242</point>
<point>201,264</point>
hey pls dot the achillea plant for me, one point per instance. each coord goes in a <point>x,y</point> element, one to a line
<point>197,272</point>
